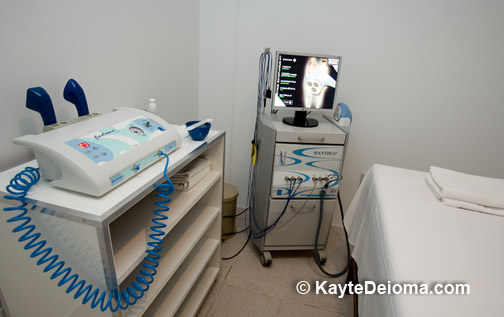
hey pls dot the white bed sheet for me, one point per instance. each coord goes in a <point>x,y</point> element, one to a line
<point>402,233</point>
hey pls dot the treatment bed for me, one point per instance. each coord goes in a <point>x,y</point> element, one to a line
<point>403,234</point>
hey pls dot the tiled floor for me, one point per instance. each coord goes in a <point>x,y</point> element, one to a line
<point>245,288</point>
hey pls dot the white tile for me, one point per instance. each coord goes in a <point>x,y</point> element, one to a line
<point>289,308</point>
<point>247,288</point>
<point>235,301</point>
<point>210,299</point>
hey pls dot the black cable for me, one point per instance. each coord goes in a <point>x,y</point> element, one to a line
<point>230,233</point>
<point>300,208</point>
<point>246,242</point>
<point>232,216</point>
<point>316,255</point>
<point>257,235</point>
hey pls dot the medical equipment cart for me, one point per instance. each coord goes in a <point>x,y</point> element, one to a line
<point>104,240</point>
<point>293,164</point>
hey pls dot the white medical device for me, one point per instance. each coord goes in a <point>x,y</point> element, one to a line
<point>293,165</point>
<point>343,115</point>
<point>96,155</point>
<point>312,163</point>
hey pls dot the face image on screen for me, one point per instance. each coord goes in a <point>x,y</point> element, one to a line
<point>306,82</point>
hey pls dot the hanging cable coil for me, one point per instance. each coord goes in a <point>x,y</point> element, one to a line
<point>18,189</point>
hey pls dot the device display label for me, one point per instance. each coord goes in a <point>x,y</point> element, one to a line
<point>106,144</point>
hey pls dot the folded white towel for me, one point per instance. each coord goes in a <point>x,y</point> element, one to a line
<point>466,191</point>
<point>183,183</point>
<point>193,168</point>
<point>474,189</point>
<point>471,206</point>
<point>436,190</point>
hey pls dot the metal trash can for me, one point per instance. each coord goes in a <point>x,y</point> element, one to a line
<point>229,209</point>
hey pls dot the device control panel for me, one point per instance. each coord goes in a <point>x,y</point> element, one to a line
<point>301,170</point>
<point>106,144</point>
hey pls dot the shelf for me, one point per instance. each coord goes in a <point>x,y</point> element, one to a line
<point>171,296</point>
<point>176,247</point>
<point>181,284</point>
<point>200,290</point>
<point>129,233</point>
<point>115,227</point>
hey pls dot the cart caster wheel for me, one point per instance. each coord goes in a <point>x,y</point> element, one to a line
<point>266,259</point>
<point>322,256</point>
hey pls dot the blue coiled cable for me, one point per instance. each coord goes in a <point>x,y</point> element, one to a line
<point>115,299</point>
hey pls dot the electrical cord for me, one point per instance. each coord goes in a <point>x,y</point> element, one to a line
<point>114,300</point>
<point>239,214</point>
<point>262,87</point>
<point>236,232</point>
<point>300,208</point>
<point>264,78</point>
<point>243,247</point>
<point>265,230</point>
<point>316,255</point>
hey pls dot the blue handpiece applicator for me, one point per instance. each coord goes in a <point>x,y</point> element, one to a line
<point>74,93</point>
<point>37,99</point>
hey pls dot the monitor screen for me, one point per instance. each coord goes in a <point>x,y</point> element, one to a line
<point>305,82</point>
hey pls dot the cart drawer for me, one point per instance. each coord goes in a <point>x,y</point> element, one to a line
<point>310,138</point>
<point>298,225</point>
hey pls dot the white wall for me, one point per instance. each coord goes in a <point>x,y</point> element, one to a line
<point>121,52</point>
<point>423,79</point>
<point>217,61</point>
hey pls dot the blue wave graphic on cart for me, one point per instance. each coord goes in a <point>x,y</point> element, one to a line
<point>282,159</point>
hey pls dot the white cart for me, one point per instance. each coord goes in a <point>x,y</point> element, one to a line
<point>309,155</point>
<point>104,240</point>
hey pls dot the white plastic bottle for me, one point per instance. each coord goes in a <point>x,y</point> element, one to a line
<point>152,108</point>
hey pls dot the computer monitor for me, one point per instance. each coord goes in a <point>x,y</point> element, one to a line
<point>305,83</point>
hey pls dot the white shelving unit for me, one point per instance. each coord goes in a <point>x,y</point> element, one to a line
<point>129,245</point>
<point>105,239</point>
